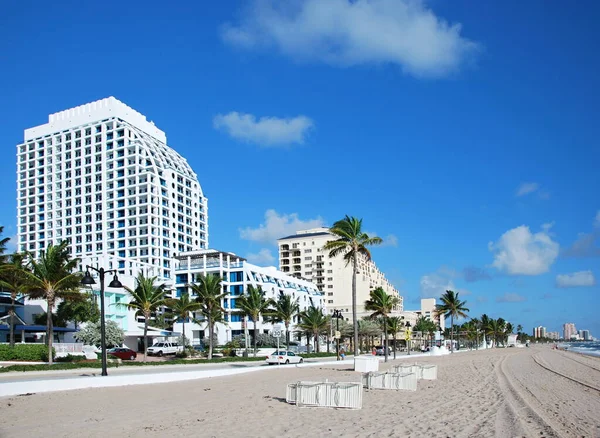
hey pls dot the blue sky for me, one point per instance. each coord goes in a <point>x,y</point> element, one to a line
<point>461,132</point>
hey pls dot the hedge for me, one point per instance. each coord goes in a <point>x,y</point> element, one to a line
<point>25,352</point>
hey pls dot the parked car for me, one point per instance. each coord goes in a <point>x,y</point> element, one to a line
<point>162,348</point>
<point>379,351</point>
<point>284,357</point>
<point>123,353</point>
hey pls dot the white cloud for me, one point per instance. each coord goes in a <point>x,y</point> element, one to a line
<point>576,279</point>
<point>277,226</point>
<point>520,252</point>
<point>266,131</point>
<point>435,284</point>
<point>263,257</point>
<point>390,240</point>
<point>510,298</point>
<point>355,32</point>
<point>527,188</point>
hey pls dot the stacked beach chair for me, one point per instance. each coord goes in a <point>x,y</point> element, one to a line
<point>349,394</point>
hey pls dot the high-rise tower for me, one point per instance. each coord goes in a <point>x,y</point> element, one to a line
<point>103,178</point>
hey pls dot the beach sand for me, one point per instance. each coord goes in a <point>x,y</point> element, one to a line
<point>527,392</point>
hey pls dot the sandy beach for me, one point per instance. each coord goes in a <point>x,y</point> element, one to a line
<point>501,392</point>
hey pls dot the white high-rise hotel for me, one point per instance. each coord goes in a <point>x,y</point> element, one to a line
<point>103,178</point>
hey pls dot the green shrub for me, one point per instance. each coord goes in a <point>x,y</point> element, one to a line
<point>25,352</point>
<point>70,358</point>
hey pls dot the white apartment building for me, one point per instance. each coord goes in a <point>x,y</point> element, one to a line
<point>569,331</point>
<point>102,177</point>
<point>539,332</point>
<point>302,256</point>
<point>237,274</point>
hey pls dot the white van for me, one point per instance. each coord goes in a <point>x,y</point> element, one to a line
<point>162,348</point>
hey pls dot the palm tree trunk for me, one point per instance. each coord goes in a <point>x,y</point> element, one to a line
<point>146,317</point>
<point>287,335</point>
<point>50,331</point>
<point>394,334</point>
<point>210,337</point>
<point>12,320</point>
<point>183,334</point>
<point>255,336</point>
<point>354,319</point>
<point>385,349</point>
<point>452,333</point>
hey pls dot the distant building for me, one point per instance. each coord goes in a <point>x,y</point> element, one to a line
<point>569,331</point>
<point>553,335</point>
<point>584,335</point>
<point>539,332</point>
<point>301,255</point>
<point>237,275</point>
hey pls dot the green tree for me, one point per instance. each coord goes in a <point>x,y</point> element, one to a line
<point>284,310</point>
<point>313,321</point>
<point>182,308</point>
<point>368,329</point>
<point>53,277</point>
<point>352,243</point>
<point>425,326</point>
<point>90,334</point>
<point>3,242</point>
<point>254,304</point>
<point>519,331</point>
<point>395,325</point>
<point>381,304</point>
<point>451,307</point>
<point>77,312</point>
<point>209,294</point>
<point>13,280</point>
<point>146,298</point>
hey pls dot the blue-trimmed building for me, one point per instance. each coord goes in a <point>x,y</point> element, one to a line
<point>237,274</point>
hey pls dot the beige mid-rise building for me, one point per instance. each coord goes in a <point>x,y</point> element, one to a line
<point>302,256</point>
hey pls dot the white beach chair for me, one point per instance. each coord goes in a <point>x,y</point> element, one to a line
<point>325,394</point>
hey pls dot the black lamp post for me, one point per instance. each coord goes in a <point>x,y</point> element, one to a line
<point>337,314</point>
<point>408,337</point>
<point>88,280</point>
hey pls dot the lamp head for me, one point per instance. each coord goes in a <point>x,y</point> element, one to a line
<point>87,279</point>
<point>115,282</point>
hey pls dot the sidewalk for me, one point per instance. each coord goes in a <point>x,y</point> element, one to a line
<point>142,378</point>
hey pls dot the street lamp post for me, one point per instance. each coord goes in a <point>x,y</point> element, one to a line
<point>408,337</point>
<point>88,280</point>
<point>337,314</point>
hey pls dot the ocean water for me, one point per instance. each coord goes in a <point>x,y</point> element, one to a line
<point>590,348</point>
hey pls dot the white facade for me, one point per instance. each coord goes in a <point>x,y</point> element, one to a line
<point>103,178</point>
<point>302,255</point>
<point>237,274</point>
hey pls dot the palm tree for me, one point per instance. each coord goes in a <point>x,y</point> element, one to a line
<point>146,298</point>
<point>182,308</point>
<point>12,279</point>
<point>494,328</point>
<point>519,330</point>
<point>284,310</point>
<point>352,243</point>
<point>313,320</point>
<point>52,277</point>
<point>368,329</point>
<point>394,326</point>
<point>451,306</point>
<point>209,295</point>
<point>254,304</point>
<point>381,304</point>
<point>3,243</point>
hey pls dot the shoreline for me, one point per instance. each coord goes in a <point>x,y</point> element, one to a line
<point>494,392</point>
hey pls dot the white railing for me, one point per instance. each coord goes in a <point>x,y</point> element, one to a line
<point>68,347</point>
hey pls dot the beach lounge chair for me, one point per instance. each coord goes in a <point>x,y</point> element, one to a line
<point>325,394</point>
<point>405,381</point>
